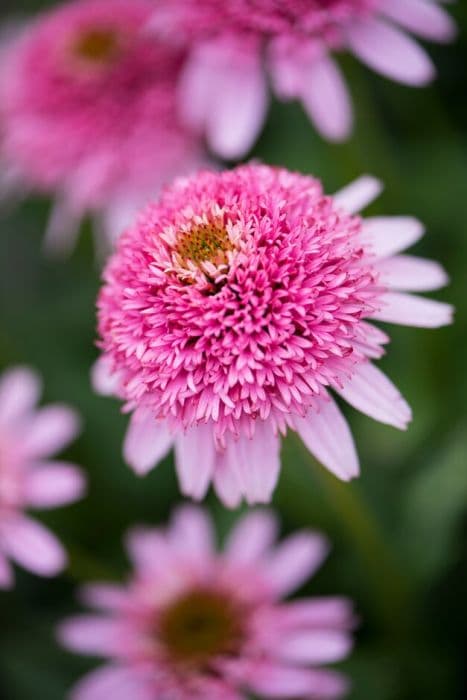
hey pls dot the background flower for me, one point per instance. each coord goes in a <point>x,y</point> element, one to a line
<point>232,307</point>
<point>237,46</point>
<point>97,126</point>
<point>194,623</point>
<point>29,477</point>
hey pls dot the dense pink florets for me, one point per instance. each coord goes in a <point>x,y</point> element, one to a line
<point>254,335</point>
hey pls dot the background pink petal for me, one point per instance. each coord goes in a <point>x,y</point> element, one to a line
<point>147,442</point>
<point>57,484</point>
<point>20,389</point>
<point>32,546</point>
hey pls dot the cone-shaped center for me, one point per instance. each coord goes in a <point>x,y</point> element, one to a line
<point>204,243</point>
<point>97,46</point>
<point>199,626</point>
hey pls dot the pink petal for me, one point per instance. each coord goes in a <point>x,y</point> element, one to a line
<point>103,596</point>
<point>195,458</point>
<point>358,194</point>
<point>326,99</point>
<point>147,442</point>
<point>294,561</point>
<point>275,681</point>
<point>148,549</point>
<point>313,647</point>
<point>226,482</point>
<point>252,537</point>
<point>325,612</point>
<point>390,234</point>
<point>57,484</point>
<point>191,532</point>
<point>111,682</point>
<point>62,229</point>
<point>421,17</point>
<point>50,430</point>
<point>391,52</point>
<point>327,435</point>
<point>6,573</point>
<point>89,634</point>
<point>32,546</point>
<point>20,389</point>
<point>408,310</point>
<point>371,392</point>
<point>103,380</point>
<point>256,461</point>
<point>409,273</point>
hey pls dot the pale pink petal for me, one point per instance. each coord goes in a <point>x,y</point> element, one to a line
<point>62,229</point>
<point>226,482</point>
<point>358,195</point>
<point>89,634</point>
<point>326,99</point>
<point>147,441</point>
<point>6,573</point>
<point>275,681</point>
<point>55,484</point>
<point>387,235</point>
<point>103,596</point>
<point>389,51</point>
<point>409,310</point>
<point>422,17</point>
<point>197,84</point>
<point>20,389</point>
<point>111,682</point>
<point>252,536</point>
<point>327,435</point>
<point>371,392</point>
<point>50,430</point>
<point>32,546</point>
<point>103,380</point>
<point>195,459</point>
<point>191,532</point>
<point>411,274</point>
<point>294,561</point>
<point>324,613</point>
<point>256,461</point>
<point>148,549</point>
<point>313,647</point>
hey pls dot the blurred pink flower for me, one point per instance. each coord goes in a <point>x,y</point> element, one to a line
<point>194,623</point>
<point>88,112</point>
<point>233,306</point>
<point>236,47</point>
<point>29,478</point>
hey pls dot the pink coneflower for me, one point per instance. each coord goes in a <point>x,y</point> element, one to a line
<point>237,46</point>
<point>29,478</point>
<point>88,111</point>
<point>195,623</point>
<point>235,304</point>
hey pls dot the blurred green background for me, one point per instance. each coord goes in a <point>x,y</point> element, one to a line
<point>400,532</point>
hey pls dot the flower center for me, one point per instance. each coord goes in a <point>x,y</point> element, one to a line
<point>200,625</point>
<point>204,243</point>
<point>97,46</point>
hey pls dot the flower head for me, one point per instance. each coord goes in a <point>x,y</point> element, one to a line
<point>28,476</point>
<point>88,108</point>
<point>194,623</point>
<point>233,306</point>
<point>236,46</point>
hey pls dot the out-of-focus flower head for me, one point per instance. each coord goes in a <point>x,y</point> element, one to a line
<point>193,623</point>
<point>88,111</point>
<point>29,477</point>
<point>236,47</point>
<point>233,307</point>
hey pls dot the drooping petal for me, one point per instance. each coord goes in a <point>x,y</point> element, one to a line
<point>103,380</point>
<point>50,430</point>
<point>389,51</point>
<point>409,310</point>
<point>147,442</point>
<point>294,561</point>
<point>32,546</point>
<point>370,391</point>
<point>62,229</point>
<point>195,460</point>
<point>422,17</point>
<point>90,634</point>
<point>411,274</point>
<point>326,99</point>
<point>388,235</point>
<point>226,482</point>
<point>257,463</point>
<point>313,646</point>
<point>252,537</point>
<point>111,682</point>
<point>191,532</point>
<point>20,389</point>
<point>6,573</point>
<point>359,194</point>
<point>327,435</point>
<point>54,484</point>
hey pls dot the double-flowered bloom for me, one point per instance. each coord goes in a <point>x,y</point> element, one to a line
<point>193,623</point>
<point>237,305</point>
<point>29,477</point>
<point>88,112</point>
<point>237,47</point>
